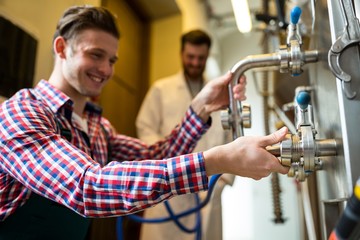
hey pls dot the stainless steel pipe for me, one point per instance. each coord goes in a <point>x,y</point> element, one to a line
<point>285,59</point>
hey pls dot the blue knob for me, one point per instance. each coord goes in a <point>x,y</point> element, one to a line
<point>295,15</point>
<point>303,99</point>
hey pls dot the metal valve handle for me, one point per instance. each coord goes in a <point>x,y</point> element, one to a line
<point>295,15</point>
<point>303,99</point>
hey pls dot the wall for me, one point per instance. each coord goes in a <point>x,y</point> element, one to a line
<point>122,96</point>
<point>39,18</point>
<point>124,92</point>
<point>165,47</point>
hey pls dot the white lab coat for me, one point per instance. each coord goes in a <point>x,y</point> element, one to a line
<point>163,108</point>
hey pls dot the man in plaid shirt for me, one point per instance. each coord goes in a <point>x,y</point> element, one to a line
<point>62,163</point>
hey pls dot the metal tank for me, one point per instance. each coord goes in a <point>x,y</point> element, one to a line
<point>323,148</point>
<point>336,100</point>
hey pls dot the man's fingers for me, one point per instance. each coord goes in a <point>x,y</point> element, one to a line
<point>278,167</point>
<point>225,79</point>
<point>282,169</point>
<point>275,137</point>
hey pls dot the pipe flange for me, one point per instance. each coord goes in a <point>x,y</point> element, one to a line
<point>225,119</point>
<point>296,61</point>
<point>308,146</point>
<point>286,150</point>
<point>246,115</point>
<point>284,59</point>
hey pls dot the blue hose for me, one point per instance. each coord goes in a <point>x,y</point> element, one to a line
<point>175,217</point>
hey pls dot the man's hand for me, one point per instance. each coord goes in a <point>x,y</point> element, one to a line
<point>215,95</point>
<point>246,156</point>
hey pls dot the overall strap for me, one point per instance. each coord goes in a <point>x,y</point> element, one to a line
<point>67,134</point>
<point>109,148</point>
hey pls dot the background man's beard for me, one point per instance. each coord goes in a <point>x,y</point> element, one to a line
<point>193,74</point>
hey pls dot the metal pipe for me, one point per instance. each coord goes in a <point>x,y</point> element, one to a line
<point>323,148</point>
<point>280,59</point>
<point>274,150</point>
<point>237,70</point>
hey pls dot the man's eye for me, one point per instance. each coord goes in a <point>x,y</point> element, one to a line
<point>96,55</point>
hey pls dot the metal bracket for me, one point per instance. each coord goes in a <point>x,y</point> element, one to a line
<point>350,36</point>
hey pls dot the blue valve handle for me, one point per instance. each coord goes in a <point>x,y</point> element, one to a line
<point>295,15</point>
<point>303,99</point>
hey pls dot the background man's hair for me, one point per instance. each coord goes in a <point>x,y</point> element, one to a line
<point>196,37</point>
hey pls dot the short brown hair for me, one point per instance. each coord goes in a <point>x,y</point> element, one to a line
<point>78,18</point>
<point>196,37</point>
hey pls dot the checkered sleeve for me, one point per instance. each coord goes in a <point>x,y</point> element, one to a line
<point>34,157</point>
<point>180,141</point>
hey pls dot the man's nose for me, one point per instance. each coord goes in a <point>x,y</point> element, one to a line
<point>106,68</point>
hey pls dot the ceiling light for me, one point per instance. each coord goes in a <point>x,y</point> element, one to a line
<point>242,15</point>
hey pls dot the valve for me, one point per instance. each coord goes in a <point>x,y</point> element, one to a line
<point>292,49</point>
<point>245,119</point>
<point>301,151</point>
<point>289,58</point>
<point>303,99</point>
<point>293,28</point>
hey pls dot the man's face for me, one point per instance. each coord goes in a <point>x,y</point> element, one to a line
<point>194,59</point>
<point>89,62</point>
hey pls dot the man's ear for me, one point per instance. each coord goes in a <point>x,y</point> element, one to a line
<point>60,47</point>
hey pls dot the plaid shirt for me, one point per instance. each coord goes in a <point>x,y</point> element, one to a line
<point>76,173</point>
